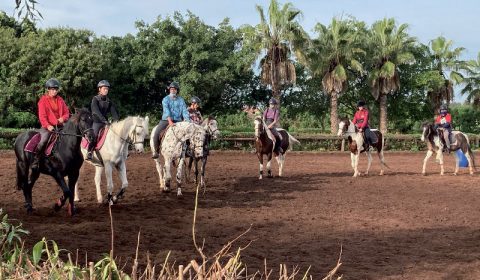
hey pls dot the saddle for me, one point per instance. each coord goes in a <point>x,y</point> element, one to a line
<point>102,135</point>
<point>32,144</point>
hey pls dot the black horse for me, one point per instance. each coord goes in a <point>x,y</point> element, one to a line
<point>65,159</point>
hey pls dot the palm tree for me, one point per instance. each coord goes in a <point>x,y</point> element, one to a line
<point>390,46</point>
<point>277,38</point>
<point>333,53</point>
<point>472,82</point>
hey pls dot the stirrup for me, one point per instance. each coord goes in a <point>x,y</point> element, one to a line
<point>89,156</point>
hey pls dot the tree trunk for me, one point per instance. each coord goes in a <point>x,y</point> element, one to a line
<point>333,112</point>
<point>383,113</point>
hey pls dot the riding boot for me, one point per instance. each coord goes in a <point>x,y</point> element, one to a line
<point>156,143</point>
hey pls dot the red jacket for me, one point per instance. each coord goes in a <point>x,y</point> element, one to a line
<point>448,118</point>
<point>361,118</point>
<point>46,114</point>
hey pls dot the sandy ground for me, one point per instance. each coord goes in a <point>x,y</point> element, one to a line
<point>398,226</point>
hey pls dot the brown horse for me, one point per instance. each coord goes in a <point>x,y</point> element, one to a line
<point>356,145</point>
<point>435,144</point>
<point>264,146</point>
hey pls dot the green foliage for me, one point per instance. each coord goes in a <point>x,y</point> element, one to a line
<point>466,118</point>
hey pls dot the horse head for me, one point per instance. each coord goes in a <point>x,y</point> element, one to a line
<point>139,133</point>
<point>83,122</point>
<point>211,126</point>
<point>259,127</point>
<point>343,126</point>
<point>427,131</point>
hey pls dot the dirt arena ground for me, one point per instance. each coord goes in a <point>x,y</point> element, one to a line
<point>398,226</point>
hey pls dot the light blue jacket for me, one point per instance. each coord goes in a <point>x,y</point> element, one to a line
<point>175,108</point>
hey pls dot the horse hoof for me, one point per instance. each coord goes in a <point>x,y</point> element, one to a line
<point>165,190</point>
<point>455,174</point>
<point>260,178</point>
<point>424,174</point>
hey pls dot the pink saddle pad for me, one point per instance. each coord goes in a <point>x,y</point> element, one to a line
<point>33,143</point>
<point>100,139</point>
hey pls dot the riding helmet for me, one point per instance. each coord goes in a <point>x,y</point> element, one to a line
<point>195,100</point>
<point>103,83</point>
<point>273,101</point>
<point>52,83</point>
<point>174,85</point>
<point>443,109</point>
<point>361,103</point>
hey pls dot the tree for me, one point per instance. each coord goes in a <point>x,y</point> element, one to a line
<point>335,53</point>
<point>472,82</point>
<point>27,6</point>
<point>276,39</point>
<point>444,59</point>
<point>390,47</point>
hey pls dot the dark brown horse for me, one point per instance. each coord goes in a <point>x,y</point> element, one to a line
<point>435,144</point>
<point>264,146</point>
<point>356,144</point>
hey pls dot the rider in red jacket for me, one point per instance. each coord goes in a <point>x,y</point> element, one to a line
<point>361,122</point>
<point>444,120</point>
<point>52,112</point>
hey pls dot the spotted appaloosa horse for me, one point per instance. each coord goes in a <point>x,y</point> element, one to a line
<point>356,145</point>
<point>436,145</point>
<point>264,146</point>
<point>173,148</point>
<point>212,133</point>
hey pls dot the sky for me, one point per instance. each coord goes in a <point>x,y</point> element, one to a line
<point>457,20</point>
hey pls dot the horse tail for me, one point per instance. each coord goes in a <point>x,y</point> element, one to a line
<point>292,140</point>
<point>471,156</point>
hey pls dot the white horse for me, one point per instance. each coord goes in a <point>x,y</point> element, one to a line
<point>435,145</point>
<point>173,148</point>
<point>212,133</point>
<point>114,152</point>
<point>356,145</point>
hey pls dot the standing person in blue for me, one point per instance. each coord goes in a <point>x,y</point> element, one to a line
<point>101,106</point>
<point>174,110</point>
<point>271,117</point>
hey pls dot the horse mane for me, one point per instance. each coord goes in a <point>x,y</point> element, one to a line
<point>75,118</point>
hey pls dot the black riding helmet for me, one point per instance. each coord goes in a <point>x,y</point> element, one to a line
<point>174,85</point>
<point>361,103</point>
<point>195,99</point>
<point>273,101</point>
<point>443,109</point>
<point>52,83</point>
<point>103,83</point>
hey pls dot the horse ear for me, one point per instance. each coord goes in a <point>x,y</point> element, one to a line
<point>146,119</point>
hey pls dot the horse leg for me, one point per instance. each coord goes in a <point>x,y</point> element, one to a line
<point>429,154</point>
<point>67,194</point>
<point>354,159</point>
<point>203,184</point>
<point>457,164</point>
<point>77,193</point>
<point>382,161</point>
<point>188,170</point>
<point>440,158</point>
<point>72,183</point>
<point>180,167</point>
<point>269,165</point>
<point>369,161</point>
<point>470,162</point>
<point>108,174</point>
<point>98,183</point>
<point>158,166</point>
<point>280,159</point>
<point>27,188</point>
<point>260,159</point>
<point>122,171</point>
<point>168,175</point>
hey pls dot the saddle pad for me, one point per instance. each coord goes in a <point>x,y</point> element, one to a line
<point>33,143</point>
<point>100,139</point>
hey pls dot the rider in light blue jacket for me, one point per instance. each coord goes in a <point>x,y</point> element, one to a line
<point>174,110</point>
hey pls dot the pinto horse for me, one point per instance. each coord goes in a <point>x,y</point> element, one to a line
<point>435,145</point>
<point>173,147</point>
<point>264,146</point>
<point>114,152</point>
<point>64,161</point>
<point>212,133</point>
<point>356,143</point>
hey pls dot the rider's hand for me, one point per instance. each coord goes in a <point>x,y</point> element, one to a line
<point>50,128</point>
<point>360,129</point>
<point>61,120</point>
<point>170,123</point>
